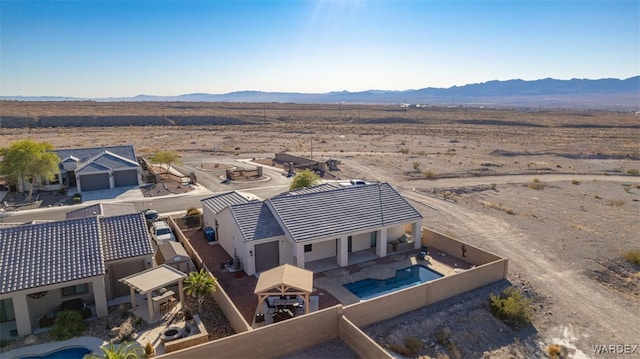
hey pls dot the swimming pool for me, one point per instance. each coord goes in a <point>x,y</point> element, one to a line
<point>67,353</point>
<point>404,278</point>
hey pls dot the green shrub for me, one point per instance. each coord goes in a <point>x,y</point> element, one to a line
<point>633,256</point>
<point>633,171</point>
<point>576,182</point>
<point>511,306</point>
<point>4,342</point>
<point>68,324</point>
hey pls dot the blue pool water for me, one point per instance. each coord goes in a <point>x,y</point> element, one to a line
<point>404,278</point>
<point>68,353</point>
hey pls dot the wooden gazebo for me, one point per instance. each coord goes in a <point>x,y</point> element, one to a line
<point>284,280</point>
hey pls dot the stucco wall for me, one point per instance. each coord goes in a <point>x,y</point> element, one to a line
<point>396,232</point>
<point>453,246</point>
<point>359,341</point>
<point>360,242</point>
<point>320,250</point>
<point>273,340</point>
<point>386,306</point>
<point>458,283</point>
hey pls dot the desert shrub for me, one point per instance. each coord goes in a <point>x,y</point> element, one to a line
<point>148,349</point>
<point>536,184</point>
<point>414,344</point>
<point>68,324</point>
<point>442,335</point>
<point>429,174</point>
<point>576,182</point>
<point>500,207</point>
<point>193,211</point>
<point>400,349</point>
<point>511,306</point>
<point>416,165</point>
<point>404,151</point>
<point>554,351</point>
<point>616,202</point>
<point>633,256</point>
<point>633,171</point>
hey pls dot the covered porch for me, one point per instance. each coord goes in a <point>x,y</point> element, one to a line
<point>152,285</point>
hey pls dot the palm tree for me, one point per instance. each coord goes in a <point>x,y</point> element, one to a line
<point>127,350</point>
<point>199,284</point>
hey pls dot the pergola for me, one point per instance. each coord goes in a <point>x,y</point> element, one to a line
<point>286,279</point>
<point>152,279</point>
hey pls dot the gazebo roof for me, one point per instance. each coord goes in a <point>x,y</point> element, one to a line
<point>153,278</point>
<point>286,275</point>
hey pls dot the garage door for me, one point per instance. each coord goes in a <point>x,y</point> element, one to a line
<point>94,182</point>
<point>125,178</point>
<point>267,256</point>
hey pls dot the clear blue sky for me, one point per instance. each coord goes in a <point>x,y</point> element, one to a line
<point>93,48</point>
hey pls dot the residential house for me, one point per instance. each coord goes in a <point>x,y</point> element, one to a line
<point>45,264</point>
<point>312,224</point>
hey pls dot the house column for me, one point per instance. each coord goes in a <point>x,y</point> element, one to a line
<point>78,187</point>
<point>21,311</point>
<point>343,252</point>
<point>112,182</point>
<point>100,297</point>
<point>299,247</point>
<point>381,246</point>
<point>416,233</point>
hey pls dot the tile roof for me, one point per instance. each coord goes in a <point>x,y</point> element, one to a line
<point>315,189</point>
<point>48,253</point>
<point>43,254</point>
<point>340,211</point>
<point>255,221</point>
<point>102,209</point>
<point>125,236</point>
<point>83,154</point>
<point>223,200</point>
<point>105,160</point>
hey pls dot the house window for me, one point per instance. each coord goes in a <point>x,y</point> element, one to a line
<point>74,290</point>
<point>307,248</point>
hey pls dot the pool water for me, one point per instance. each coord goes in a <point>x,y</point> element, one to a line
<point>68,353</point>
<point>404,278</point>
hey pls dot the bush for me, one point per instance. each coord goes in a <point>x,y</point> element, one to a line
<point>633,256</point>
<point>633,171</point>
<point>193,211</point>
<point>511,306</point>
<point>413,344</point>
<point>536,184</point>
<point>68,324</point>
<point>429,174</point>
<point>575,182</point>
<point>555,351</point>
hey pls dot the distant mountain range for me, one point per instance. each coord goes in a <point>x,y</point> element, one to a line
<point>574,93</point>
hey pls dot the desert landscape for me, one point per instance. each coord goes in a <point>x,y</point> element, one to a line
<point>557,192</point>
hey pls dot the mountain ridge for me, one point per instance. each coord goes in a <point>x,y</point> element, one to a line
<point>578,93</point>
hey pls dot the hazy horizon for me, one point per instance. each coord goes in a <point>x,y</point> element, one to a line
<point>102,49</point>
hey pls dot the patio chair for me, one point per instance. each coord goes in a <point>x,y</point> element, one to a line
<point>424,252</point>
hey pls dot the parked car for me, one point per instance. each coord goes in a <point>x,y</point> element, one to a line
<point>161,232</point>
<point>151,215</point>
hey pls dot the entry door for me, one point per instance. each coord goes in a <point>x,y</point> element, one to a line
<point>349,243</point>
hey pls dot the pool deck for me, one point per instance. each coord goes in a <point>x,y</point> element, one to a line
<point>333,280</point>
<point>90,343</point>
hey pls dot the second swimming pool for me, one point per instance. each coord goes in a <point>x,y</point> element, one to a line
<point>404,278</point>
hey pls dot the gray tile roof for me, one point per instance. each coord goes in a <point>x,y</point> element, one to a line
<point>255,221</point>
<point>105,160</point>
<point>48,253</point>
<point>42,254</point>
<point>125,236</point>
<point>221,201</point>
<point>83,154</point>
<point>340,211</point>
<point>315,189</point>
<point>102,209</point>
